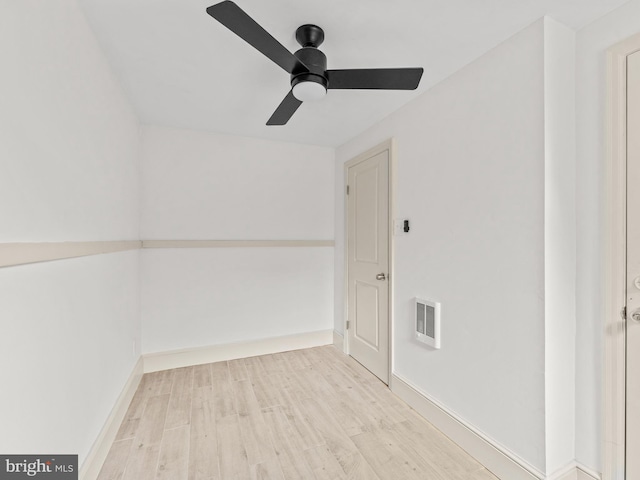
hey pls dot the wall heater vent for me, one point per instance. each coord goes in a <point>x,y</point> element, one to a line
<point>427,322</point>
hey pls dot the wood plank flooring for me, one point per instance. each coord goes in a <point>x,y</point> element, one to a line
<point>301,415</point>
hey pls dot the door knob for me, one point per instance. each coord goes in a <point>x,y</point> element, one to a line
<point>636,315</point>
<point>381,276</point>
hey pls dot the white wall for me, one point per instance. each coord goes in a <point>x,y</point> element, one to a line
<point>210,186</point>
<point>592,43</point>
<point>66,349</point>
<point>197,297</point>
<point>471,177</point>
<point>68,138</point>
<point>560,244</point>
<point>68,157</point>
<point>201,186</point>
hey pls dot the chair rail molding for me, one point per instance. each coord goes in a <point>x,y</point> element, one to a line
<point>13,254</point>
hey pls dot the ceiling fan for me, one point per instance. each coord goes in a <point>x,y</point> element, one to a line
<point>310,78</point>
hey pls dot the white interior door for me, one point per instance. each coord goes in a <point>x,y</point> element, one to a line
<point>368,262</point>
<point>633,267</point>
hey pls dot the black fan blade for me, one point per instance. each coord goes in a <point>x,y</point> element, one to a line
<point>235,19</point>
<point>285,110</point>
<point>375,78</point>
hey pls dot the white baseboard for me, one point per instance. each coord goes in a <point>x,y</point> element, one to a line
<point>154,362</point>
<point>93,463</point>
<point>584,473</point>
<point>575,471</point>
<point>497,459</point>
<point>568,473</point>
<point>338,341</point>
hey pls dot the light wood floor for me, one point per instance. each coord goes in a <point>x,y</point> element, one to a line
<point>301,415</point>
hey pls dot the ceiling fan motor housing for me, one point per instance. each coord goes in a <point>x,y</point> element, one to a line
<point>310,37</point>
<point>316,62</point>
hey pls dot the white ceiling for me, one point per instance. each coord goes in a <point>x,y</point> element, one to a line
<point>183,69</point>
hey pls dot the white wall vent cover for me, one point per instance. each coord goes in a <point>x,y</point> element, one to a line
<point>427,315</point>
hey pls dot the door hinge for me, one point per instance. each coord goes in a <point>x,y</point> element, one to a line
<point>348,324</point>
<point>347,189</point>
<point>623,312</point>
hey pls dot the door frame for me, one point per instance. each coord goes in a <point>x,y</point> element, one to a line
<point>614,368</point>
<point>390,146</point>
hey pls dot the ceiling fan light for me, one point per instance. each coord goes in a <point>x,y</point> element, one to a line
<point>309,91</point>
